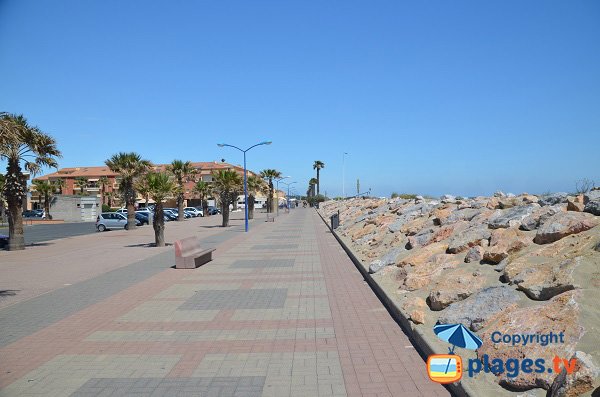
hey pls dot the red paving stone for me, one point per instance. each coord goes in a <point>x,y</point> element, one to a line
<point>375,356</point>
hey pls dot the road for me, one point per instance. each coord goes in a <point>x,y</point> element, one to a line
<point>40,233</point>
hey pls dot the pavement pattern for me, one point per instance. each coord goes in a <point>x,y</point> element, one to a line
<point>280,311</point>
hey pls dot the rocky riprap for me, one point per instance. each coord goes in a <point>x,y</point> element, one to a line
<point>505,263</point>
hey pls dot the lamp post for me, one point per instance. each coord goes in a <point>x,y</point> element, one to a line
<point>344,175</point>
<point>288,193</point>
<point>245,176</point>
<point>277,180</point>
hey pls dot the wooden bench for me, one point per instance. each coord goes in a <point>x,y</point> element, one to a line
<point>189,254</point>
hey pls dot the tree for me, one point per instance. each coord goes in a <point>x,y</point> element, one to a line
<point>225,183</point>
<point>143,189</point>
<point>182,171</point>
<point>59,185</point>
<point>103,182</point>
<point>311,186</point>
<point>203,190</point>
<point>269,175</point>
<point>2,199</point>
<point>21,142</point>
<point>255,185</point>
<point>160,187</point>
<point>318,165</point>
<point>45,189</point>
<point>82,182</point>
<point>129,166</point>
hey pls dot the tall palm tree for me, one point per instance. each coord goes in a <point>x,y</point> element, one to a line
<point>2,199</point>
<point>160,187</point>
<point>45,189</point>
<point>225,183</point>
<point>82,182</point>
<point>129,166</point>
<point>318,165</point>
<point>21,142</point>
<point>203,190</point>
<point>255,185</point>
<point>183,172</point>
<point>268,175</point>
<point>103,182</point>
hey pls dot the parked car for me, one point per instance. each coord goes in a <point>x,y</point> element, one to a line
<point>170,214</point>
<point>194,211</point>
<point>176,212</point>
<point>143,218</point>
<point>112,220</point>
<point>212,210</point>
<point>33,214</point>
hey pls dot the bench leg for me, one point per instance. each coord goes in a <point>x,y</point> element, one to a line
<point>201,260</point>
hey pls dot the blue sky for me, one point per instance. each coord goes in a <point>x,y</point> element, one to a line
<point>462,97</point>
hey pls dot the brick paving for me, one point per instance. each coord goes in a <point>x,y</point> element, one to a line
<point>280,311</point>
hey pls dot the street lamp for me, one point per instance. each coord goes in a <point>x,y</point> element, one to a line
<point>344,175</point>
<point>288,193</point>
<point>277,180</point>
<point>245,175</point>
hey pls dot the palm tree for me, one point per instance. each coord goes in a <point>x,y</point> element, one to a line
<point>82,182</point>
<point>143,189</point>
<point>46,189</point>
<point>182,171</point>
<point>2,199</point>
<point>103,182</point>
<point>109,198</point>
<point>59,185</point>
<point>203,190</point>
<point>269,175</point>
<point>255,185</point>
<point>21,142</point>
<point>318,165</point>
<point>160,187</point>
<point>129,166</point>
<point>225,183</point>
<point>311,184</point>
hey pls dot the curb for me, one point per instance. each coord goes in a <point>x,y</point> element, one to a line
<point>417,339</point>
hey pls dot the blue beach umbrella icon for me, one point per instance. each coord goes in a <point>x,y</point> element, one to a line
<point>457,335</point>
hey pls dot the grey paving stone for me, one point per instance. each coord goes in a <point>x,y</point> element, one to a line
<point>271,298</point>
<point>256,263</point>
<point>275,246</point>
<point>218,386</point>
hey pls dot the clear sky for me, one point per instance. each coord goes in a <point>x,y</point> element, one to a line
<point>433,97</point>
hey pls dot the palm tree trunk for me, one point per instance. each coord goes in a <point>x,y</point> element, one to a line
<point>159,225</point>
<point>14,197</point>
<point>251,206</point>
<point>47,206</point>
<point>318,181</point>
<point>225,210</point>
<point>130,201</point>
<point>102,194</point>
<point>205,207</point>
<point>180,214</point>
<point>272,207</point>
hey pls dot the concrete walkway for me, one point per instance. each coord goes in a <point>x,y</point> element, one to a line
<point>280,311</point>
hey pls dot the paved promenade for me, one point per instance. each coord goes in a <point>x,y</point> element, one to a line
<point>280,311</point>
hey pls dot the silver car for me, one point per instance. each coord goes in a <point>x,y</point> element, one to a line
<point>112,220</point>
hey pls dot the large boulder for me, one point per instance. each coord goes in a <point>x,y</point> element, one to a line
<point>560,315</point>
<point>415,309</point>
<point>475,254</point>
<point>553,198</point>
<point>503,243</point>
<point>478,309</point>
<point>563,224</point>
<point>453,288</point>
<point>465,214</point>
<point>592,202</point>
<point>579,381</point>
<point>542,281</point>
<point>363,231</point>
<point>540,216</point>
<point>511,217</point>
<point>386,260</point>
<point>576,203</point>
<point>469,238</point>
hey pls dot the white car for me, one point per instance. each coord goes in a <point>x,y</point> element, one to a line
<point>194,211</point>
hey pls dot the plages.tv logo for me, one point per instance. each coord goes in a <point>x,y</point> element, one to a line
<point>448,368</point>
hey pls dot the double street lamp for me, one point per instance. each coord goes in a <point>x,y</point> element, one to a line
<point>279,179</point>
<point>288,192</point>
<point>245,175</point>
